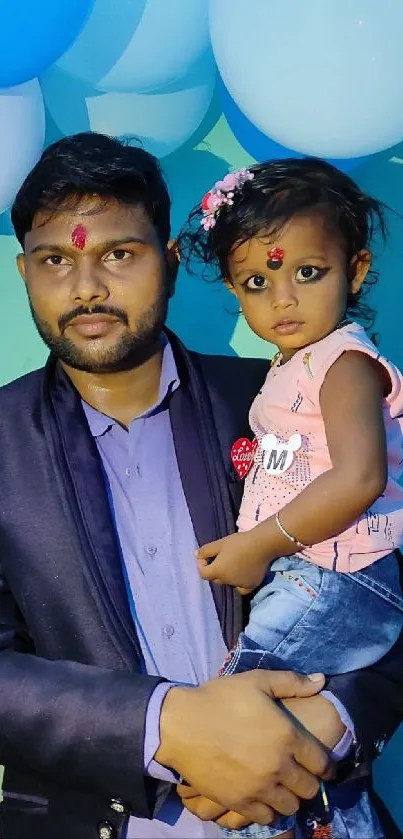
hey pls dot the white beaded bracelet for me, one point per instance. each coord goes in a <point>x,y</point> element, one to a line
<point>288,535</point>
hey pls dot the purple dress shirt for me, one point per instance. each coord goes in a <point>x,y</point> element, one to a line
<point>172,608</point>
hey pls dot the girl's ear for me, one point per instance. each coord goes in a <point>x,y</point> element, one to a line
<point>359,267</point>
<point>230,286</point>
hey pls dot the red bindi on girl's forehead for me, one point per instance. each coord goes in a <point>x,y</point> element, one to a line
<point>275,258</point>
<point>79,237</point>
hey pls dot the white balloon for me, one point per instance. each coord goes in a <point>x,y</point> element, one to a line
<point>139,45</point>
<point>161,121</point>
<point>321,77</point>
<point>22,135</point>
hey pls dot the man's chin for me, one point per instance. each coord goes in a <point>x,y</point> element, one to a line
<point>87,365</point>
<point>109,354</point>
<point>106,360</point>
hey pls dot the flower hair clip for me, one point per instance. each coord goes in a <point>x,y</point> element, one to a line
<point>221,195</point>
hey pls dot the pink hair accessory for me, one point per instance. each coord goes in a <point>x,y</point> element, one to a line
<point>222,195</point>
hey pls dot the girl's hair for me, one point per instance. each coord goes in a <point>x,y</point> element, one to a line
<point>279,190</point>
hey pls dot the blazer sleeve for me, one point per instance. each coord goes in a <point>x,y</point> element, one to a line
<point>80,725</point>
<point>374,700</point>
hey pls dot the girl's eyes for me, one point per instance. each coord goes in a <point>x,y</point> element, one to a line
<point>303,274</point>
<point>256,283</point>
<point>307,273</point>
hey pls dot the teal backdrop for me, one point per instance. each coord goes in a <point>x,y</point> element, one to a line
<point>204,314</point>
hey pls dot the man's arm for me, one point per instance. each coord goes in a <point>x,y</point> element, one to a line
<point>373,699</point>
<point>82,726</point>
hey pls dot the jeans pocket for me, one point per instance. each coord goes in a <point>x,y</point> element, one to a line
<point>287,594</point>
<point>347,627</point>
<point>382,578</point>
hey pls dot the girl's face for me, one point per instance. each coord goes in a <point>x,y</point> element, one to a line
<point>305,298</point>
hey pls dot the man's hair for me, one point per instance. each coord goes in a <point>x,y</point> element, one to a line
<point>92,164</point>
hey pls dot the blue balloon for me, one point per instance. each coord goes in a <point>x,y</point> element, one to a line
<point>261,147</point>
<point>143,46</point>
<point>22,134</point>
<point>162,121</point>
<point>321,77</point>
<point>35,33</point>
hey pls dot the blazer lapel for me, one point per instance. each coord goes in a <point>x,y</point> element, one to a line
<point>203,476</point>
<point>83,481</point>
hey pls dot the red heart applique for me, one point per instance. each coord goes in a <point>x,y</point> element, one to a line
<point>242,455</point>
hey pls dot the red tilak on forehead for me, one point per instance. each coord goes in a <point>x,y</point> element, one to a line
<point>79,237</point>
<point>275,260</point>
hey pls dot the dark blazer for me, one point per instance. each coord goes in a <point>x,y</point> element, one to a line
<point>72,698</point>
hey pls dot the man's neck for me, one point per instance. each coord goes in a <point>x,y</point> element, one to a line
<point>124,395</point>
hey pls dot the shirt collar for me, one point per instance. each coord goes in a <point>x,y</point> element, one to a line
<point>100,423</point>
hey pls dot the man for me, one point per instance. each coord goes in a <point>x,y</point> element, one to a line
<point>115,464</point>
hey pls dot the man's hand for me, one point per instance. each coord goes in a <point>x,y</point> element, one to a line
<point>236,560</point>
<point>231,741</point>
<point>315,713</point>
<point>318,716</point>
<point>208,811</point>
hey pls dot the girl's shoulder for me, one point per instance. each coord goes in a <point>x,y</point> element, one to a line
<point>320,357</point>
<point>317,359</point>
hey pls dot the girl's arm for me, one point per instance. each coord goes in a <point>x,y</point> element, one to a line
<point>351,404</point>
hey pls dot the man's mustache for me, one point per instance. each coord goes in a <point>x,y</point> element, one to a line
<point>97,309</point>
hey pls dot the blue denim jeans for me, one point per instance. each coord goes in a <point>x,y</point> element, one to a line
<point>322,621</point>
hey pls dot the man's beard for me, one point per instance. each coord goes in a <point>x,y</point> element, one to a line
<point>130,351</point>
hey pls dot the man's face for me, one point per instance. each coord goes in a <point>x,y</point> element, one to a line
<point>97,282</point>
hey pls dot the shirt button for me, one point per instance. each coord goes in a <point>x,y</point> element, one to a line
<point>169,630</point>
<point>151,550</point>
<point>128,473</point>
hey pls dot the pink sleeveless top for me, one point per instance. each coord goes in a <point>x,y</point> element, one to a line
<point>292,451</point>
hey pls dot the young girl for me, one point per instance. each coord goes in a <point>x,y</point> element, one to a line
<point>322,511</point>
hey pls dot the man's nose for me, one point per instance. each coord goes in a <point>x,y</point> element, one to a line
<point>88,285</point>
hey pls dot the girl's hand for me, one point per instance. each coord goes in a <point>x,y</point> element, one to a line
<point>236,560</point>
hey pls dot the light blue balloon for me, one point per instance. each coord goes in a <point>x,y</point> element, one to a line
<point>162,122</point>
<point>22,134</point>
<point>34,33</point>
<point>261,147</point>
<point>139,45</point>
<point>321,77</point>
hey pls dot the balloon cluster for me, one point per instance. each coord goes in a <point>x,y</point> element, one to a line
<point>133,68</point>
<point>318,78</point>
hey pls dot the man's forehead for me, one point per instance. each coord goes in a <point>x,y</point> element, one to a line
<point>101,221</point>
